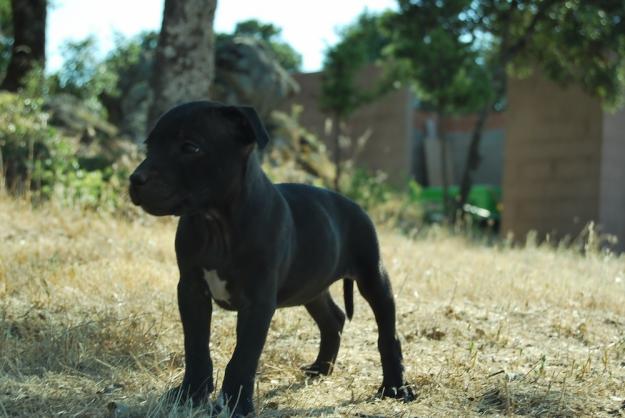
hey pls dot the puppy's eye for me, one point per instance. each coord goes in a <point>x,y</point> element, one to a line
<point>190,148</point>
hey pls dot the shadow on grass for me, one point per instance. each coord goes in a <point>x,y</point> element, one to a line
<point>272,409</point>
<point>511,401</point>
<point>26,403</point>
<point>91,344</point>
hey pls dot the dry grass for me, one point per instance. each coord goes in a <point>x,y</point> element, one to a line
<point>89,327</point>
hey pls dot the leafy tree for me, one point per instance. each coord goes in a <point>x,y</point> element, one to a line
<point>579,42</point>
<point>572,41</point>
<point>103,85</point>
<point>258,29</point>
<point>361,44</point>
<point>28,49</point>
<point>82,74</point>
<point>430,49</point>
<point>131,64</point>
<point>6,35</point>
<point>269,35</point>
<point>5,18</point>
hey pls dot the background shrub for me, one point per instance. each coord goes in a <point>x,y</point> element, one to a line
<point>38,161</point>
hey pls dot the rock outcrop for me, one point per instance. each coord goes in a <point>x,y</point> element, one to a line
<point>246,72</point>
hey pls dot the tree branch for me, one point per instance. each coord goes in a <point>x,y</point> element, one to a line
<point>531,29</point>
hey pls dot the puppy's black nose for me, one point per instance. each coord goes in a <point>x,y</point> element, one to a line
<point>139,178</point>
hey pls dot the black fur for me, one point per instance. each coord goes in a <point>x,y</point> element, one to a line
<point>274,246</point>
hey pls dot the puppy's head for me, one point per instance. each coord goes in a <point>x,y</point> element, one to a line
<point>196,158</point>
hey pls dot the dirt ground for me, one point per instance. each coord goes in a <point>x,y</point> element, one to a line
<point>89,327</point>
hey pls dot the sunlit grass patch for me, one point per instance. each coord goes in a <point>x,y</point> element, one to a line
<point>89,327</point>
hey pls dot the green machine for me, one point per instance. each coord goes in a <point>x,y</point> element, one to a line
<point>483,203</point>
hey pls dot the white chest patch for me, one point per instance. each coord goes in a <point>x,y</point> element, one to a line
<point>217,286</point>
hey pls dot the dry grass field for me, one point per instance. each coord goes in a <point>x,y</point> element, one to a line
<point>89,327</point>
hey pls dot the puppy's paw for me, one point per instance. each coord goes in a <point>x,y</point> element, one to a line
<point>176,396</point>
<point>317,369</point>
<point>403,392</point>
<point>182,394</point>
<point>225,406</point>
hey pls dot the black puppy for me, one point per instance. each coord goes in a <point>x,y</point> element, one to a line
<point>253,246</point>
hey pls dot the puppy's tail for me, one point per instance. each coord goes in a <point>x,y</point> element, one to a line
<point>348,297</point>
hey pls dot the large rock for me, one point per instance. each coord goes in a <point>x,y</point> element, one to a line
<point>76,119</point>
<point>98,143</point>
<point>246,72</point>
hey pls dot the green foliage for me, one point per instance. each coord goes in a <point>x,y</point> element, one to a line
<point>103,84</point>
<point>130,61</point>
<point>297,155</point>
<point>387,205</point>
<point>339,94</point>
<point>581,42</point>
<point>289,58</point>
<point>368,34</point>
<point>361,43</point>
<point>83,74</point>
<point>6,25</point>
<point>24,137</point>
<point>117,86</point>
<point>70,184</point>
<point>369,191</point>
<point>257,29</point>
<point>35,83</point>
<point>6,35</point>
<point>572,41</point>
<point>37,160</point>
<point>432,50</point>
<point>269,34</point>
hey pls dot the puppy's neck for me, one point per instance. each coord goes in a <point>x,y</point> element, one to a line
<point>247,205</point>
<point>256,196</point>
<point>238,195</point>
<point>218,232</point>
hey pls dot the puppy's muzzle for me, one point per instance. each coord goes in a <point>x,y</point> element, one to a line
<point>137,180</point>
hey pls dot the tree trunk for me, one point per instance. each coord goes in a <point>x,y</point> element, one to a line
<point>336,136</point>
<point>184,64</point>
<point>473,160</point>
<point>29,42</point>
<point>444,168</point>
<point>507,53</point>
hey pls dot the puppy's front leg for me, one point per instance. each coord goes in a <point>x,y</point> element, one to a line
<point>252,326</point>
<point>194,302</point>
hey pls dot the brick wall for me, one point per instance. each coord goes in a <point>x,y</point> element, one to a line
<point>397,130</point>
<point>552,163</point>
<point>388,120</point>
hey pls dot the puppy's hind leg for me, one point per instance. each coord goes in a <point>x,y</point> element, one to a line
<point>330,320</point>
<point>375,287</point>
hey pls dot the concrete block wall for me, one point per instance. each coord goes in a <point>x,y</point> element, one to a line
<point>458,130</point>
<point>388,121</point>
<point>553,157</point>
<point>563,156</point>
<point>612,188</point>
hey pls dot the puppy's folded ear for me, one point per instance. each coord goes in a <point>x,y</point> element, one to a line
<point>253,122</point>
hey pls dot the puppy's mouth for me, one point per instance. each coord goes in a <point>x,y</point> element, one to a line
<point>176,209</point>
<point>172,204</point>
